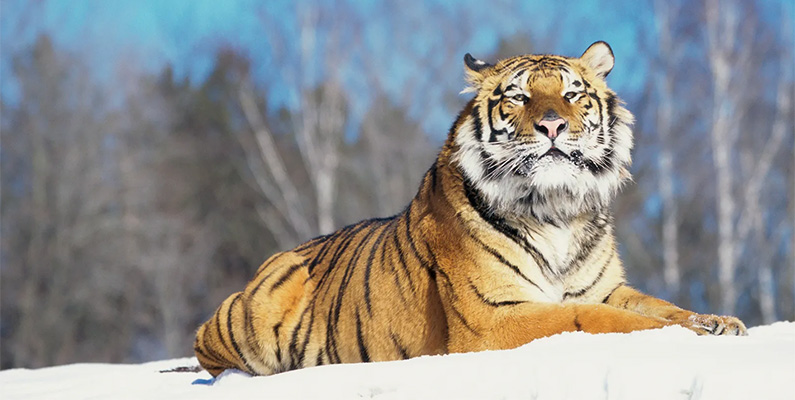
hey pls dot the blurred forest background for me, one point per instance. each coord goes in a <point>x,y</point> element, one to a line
<point>154,153</point>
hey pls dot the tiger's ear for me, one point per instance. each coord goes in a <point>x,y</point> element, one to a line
<point>476,72</point>
<point>599,57</point>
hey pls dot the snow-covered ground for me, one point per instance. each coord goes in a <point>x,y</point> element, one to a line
<point>670,363</point>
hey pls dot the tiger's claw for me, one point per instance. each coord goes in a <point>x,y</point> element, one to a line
<point>707,324</point>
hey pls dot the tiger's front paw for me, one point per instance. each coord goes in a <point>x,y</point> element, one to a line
<point>707,324</point>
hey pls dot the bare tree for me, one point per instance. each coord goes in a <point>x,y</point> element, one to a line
<point>731,58</point>
<point>664,15</point>
<point>753,217</point>
<point>318,130</point>
<point>723,27</point>
<point>394,153</point>
<point>64,221</point>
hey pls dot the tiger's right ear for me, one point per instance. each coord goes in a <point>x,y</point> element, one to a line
<point>476,72</point>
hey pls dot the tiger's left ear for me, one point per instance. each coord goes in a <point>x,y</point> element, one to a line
<point>599,57</point>
<point>476,72</point>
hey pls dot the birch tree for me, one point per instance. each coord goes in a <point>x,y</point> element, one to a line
<point>664,82</point>
<point>317,127</point>
<point>731,29</point>
<point>753,218</point>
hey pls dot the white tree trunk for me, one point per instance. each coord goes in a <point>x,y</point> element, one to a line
<point>721,31</point>
<point>665,116</point>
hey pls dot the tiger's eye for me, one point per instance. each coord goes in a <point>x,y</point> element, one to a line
<point>569,95</point>
<point>519,98</point>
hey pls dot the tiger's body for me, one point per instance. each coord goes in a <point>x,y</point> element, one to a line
<point>508,239</point>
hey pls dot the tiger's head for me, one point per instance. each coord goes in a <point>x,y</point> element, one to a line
<point>544,135</point>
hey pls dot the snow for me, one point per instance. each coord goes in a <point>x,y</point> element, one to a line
<point>669,363</point>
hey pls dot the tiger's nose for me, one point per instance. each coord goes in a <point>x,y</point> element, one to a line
<point>552,127</point>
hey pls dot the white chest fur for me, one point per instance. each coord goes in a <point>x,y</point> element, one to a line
<point>558,246</point>
<point>554,244</point>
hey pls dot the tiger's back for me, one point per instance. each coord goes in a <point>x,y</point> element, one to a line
<point>364,293</point>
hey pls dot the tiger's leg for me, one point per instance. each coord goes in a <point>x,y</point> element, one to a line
<point>248,331</point>
<point>215,348</point>
<point>515,325</point>
<point>628,298</point>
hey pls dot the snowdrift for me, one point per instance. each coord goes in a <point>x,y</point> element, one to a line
<point>669,363</point>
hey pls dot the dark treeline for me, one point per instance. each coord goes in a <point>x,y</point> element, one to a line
<point>124,228</point>
<point>129,213</point>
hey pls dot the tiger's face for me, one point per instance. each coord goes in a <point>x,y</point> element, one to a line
<point>544,136</point>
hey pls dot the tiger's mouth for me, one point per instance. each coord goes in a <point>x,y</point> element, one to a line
<point>554,153</point>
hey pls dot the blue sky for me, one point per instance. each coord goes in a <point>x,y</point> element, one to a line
<point>403,40</point>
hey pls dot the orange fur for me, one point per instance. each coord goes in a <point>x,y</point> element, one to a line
<point>451,273</point>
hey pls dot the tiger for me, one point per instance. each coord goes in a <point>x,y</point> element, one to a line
<point>509,238</point>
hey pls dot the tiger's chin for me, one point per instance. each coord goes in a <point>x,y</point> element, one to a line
<point>553,189</point>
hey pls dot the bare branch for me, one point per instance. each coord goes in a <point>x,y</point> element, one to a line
<point>271,157</point>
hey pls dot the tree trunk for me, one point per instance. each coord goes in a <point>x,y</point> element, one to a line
<point>665,117</point>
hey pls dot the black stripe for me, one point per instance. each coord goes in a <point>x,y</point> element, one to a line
<point>606,163</point>
<point>220,334</point>
<point>327,246</point>
<point>319,259</point>
<point>434,172</point>
<point>490,110</point>
<point>595,231</point>
<point>489,166</point>
<point>214,357</point>
<point>599,109</point>
<point>206,358</point>
<point>433,265</point>
<point>285,277</point>
<point>611,105</point>
<point>248,325</point>
<point>369,266</point>
<point>232,333</point>
<point>363,354</point>
<point>334,312</point>
<point>348,274</point>
<point>611,293</point>
<point>475,113</point>
<point>464,321</point>
<point>503,116</point>
<point>402,260</point>
<point>312,242</point>
<point>519,64</point>
<point>307,336</point>
<point>454,299</point>
<point>392,227</point>
<point>331,342</point>
<point>503,227</point>
<point>492,302</point>
<point>404,354</point>
<point>410,240</point>
<point>218,357</point>
<point>502,259</point>
<point>338,253</point>
<point>577,323</point>
<point>278,346</point>
<point>263,269</point>
<point>595,281</point>
<point>295,360</point>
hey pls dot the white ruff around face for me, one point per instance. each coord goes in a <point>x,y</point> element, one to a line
<point>549,188</point>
